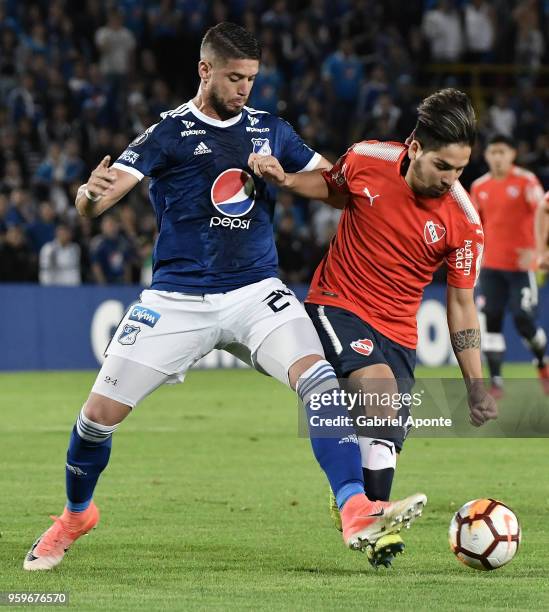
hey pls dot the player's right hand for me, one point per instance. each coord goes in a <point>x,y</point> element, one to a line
<point>102,179</point>
<point>527,259</point>
<point>544,262</point>
<point>482,406</point>
<point>267,167</point>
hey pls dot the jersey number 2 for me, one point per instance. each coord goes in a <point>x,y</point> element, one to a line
<point>276,296</point>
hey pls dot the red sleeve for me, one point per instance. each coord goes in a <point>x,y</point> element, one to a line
<point>533,192</point>
<point>464,261</point>
<point>340,175</point>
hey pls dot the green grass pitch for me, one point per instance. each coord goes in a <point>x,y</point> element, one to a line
<point>211,501</point>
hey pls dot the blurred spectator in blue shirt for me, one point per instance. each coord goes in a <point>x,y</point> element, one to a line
<point>3,213</point>
<point>20,208</point>
<point>110,255</point>
<point>12,177</point>
<point>20,100</point>
<point>17,263</point>
<point>342,72</point>
<point>42,229</point>
<point>266,91</point>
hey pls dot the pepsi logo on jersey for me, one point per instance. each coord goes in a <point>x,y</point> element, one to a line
<point>233,195</point>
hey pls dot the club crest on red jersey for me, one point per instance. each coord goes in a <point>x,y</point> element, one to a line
<point>433,232</point>
<point>364,346</point>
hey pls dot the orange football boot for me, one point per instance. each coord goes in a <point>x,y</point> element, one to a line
<point>50,548</point>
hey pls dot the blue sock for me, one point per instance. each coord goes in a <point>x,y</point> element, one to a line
<point>87,456</point>
<point>335,447</point>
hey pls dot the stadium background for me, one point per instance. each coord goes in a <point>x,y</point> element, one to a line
<point>210,501</point>
<point>81,80</point>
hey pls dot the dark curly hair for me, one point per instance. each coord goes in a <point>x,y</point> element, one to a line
<point>445,117</point>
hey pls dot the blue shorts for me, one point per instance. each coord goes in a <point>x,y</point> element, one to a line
<point>351,344</point>
<point>502,289</point>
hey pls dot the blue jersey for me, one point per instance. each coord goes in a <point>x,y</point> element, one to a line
<point>214,216</point>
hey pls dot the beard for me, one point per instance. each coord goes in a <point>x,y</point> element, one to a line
<point>220,108</point>
<point>421,188</point>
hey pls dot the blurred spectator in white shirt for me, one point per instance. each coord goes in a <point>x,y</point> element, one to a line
<point>116,44</point>
<point>479,30</point>
<point>442,28</point>
<point>60,260</point>
<point>530,46</point>
<point>502,118</point>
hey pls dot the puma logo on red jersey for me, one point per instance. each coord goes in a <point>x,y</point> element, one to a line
<point>364,346</point>
<point>370,196</point>
<point>433,232</point>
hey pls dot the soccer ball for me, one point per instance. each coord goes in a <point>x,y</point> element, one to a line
<point>484,534</point>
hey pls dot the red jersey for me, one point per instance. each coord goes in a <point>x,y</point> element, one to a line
<point>390,240</point>
<point>507,208</point>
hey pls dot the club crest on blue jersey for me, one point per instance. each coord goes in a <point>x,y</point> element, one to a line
<point>142,137</point>
<point>129,334</point>
<point>144,315</point>
<point>261,146</point>
<point>233,192</point>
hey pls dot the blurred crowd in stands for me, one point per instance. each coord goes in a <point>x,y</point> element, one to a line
<point>79,80</point>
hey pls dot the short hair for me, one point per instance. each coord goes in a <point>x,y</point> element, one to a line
<point>230,41</point>
<point>501,139</point>
<point>445,117</point>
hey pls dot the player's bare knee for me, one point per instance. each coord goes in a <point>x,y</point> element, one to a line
<point>301,366</point>
<point>377,374</point>
<point>379,387</point>
<point>104,410</point>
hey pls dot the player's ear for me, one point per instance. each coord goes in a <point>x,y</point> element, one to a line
<point>414,150</point>
<point>204,69</point>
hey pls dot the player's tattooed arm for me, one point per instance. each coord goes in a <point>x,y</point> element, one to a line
<point>465,339</point>
<point>464,330</point>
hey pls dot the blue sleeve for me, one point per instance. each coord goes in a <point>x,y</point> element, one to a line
<point>147,155</point>
<point>295,155</point>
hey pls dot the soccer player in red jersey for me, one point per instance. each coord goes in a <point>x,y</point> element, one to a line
<point>404,213</point>
<point>512,206</point>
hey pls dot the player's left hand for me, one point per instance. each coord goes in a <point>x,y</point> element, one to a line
<point>544,262</point>
<point>267,167</point>
<point>482,406</point>
<point>527,259</point>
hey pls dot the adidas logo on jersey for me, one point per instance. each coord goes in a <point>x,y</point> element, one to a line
<point>187,124</point>
<point>201,149</point>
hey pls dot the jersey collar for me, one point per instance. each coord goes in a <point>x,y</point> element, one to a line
<point>210,120</point>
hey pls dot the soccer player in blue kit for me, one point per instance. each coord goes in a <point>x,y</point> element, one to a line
<point>214,285</point>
